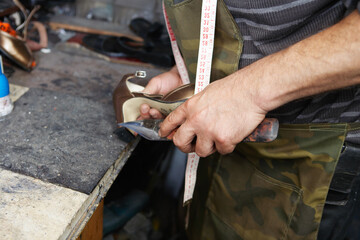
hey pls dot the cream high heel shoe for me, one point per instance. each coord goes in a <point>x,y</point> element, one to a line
<point>128,97</point>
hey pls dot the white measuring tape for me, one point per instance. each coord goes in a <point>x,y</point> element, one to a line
<point>177,56</point>
<point>203,71</point>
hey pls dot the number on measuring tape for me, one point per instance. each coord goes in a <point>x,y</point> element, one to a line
<point>203,71</point>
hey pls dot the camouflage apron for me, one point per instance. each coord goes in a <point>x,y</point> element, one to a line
<point>271,190</point>
<point>227,44</point>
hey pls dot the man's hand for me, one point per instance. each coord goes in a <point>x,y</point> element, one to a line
<point>228,110</point>
<point>160,84</point>
<point>216,119</point>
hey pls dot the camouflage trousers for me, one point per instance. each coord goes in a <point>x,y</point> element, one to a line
<point>271,190</point>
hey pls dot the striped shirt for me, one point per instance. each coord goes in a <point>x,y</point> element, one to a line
<point>268,26</point>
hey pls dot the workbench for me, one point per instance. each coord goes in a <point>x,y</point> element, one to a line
<point>58,153</point>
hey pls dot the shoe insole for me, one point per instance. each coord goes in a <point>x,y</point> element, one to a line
<point>131,107</point>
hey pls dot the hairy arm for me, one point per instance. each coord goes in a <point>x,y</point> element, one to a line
<point>326,61</point>
<point>231,108</point>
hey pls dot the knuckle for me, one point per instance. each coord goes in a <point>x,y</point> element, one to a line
<point>198,121</point>
<point>181,110</point>
<point>177,142</point>
<point>224,145</point>
<point>203,149</point>
<point>201,153</point>
<point>171,118</point>
<point>183,149</point>
<point>222,139</point>
<point>187,103</point>
<point>226,150</point>
<point>181,145</point>
<point>196,118</point>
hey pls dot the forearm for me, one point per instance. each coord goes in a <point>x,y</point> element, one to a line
<point>326,61</point>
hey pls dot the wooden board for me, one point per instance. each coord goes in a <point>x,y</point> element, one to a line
<point>32,209</point>
<point>91,26</point>
<point>94,228</point>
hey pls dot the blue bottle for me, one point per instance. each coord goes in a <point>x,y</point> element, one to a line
<point>6,105</point>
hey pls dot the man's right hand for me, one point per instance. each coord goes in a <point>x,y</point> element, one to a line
<point>161,84</point>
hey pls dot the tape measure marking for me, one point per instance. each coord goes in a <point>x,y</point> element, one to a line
<point>175,48</point>
<point>203,71</point>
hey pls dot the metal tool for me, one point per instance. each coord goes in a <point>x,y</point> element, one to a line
<point>148,128</point>
<point>267,131</point>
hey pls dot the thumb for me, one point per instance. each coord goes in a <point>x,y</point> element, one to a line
<point>153,87</point>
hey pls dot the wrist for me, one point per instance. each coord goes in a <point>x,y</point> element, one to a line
<point>255,83</point>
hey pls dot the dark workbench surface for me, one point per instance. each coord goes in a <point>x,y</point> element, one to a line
<point>59,138</point>
<point>61,130</point>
